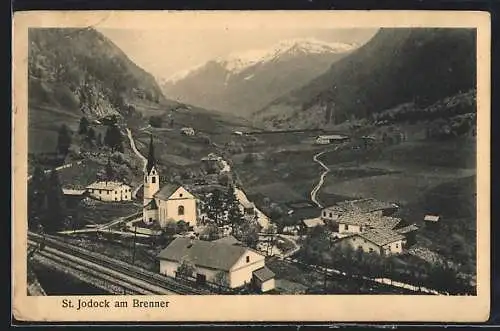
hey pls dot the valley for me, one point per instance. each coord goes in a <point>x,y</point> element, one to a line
<point>297,134</point>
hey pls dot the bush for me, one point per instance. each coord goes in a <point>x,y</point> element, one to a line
<point>156,121</point>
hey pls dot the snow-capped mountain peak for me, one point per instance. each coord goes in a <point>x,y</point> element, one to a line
<point>238,61</point>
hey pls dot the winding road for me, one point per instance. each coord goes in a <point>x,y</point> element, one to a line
<point>136,151</point>
<point>316,189</point>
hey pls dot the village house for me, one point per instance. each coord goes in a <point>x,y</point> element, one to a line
<point>357,223</point>
<point>409,232</point>
<point>431,221</point>
<point>237,264</point>
<point>187,131</point>
<point>381,241</point>
<point>328,139</point>
<point>360,206</point>
<point>171,203</point>
<point>311,223</point>
<point>109,191</point>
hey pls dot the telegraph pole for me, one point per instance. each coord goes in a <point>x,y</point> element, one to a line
<point>135,238</point>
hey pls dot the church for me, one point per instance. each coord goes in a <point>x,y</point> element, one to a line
<point>171,203</point>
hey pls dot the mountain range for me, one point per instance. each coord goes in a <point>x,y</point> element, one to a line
<point>398,65</point>
<point>244,82</point>
<point>81,71</point>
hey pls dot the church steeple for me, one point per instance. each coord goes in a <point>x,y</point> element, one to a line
<point>151,157</point>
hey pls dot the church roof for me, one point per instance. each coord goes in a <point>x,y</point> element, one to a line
<point>151,205</point>
<point>166,191</point>
<point>151,156</point>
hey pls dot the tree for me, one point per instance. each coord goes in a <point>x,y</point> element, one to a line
<point>98,140</point>
<point>63,140</point>
<point>222,279</point>
<point>113,138</point>
<point>36,197</point>
<point>211,232</point>
<point>55,215</point>
<point>248,233</point>
<point>215,207</point>
<point>90,134</point>
<point>234,214</point>
<point>84,125</point>
<point>185,269</point>
<point>156,121</point>
<point>109,172</point>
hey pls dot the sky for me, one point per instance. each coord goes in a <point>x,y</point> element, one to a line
<point>164,53</point>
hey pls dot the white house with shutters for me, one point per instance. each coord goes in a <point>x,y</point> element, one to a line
<point>171,203</point>
<point>109,191</point>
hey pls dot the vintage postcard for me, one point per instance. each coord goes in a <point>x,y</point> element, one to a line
<point>251,166</point>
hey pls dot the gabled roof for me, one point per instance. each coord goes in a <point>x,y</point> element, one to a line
<point>105,185</point>
<point>263,274</point>
<point>407,229</point>
<point>312,222</point>
<point>381,237</point>
<point>228,240</point>
<point>152,205</point>
<point>207,254</point>
<point>361,206</point>
<point>371,220</point>
<point>431,218</point>
<point>166,191</point>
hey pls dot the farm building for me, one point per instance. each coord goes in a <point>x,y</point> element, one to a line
<point>239,265</point>
<point>380,241</point>
<point>329,139</point>
<point>170,203</point>
<point>409,232</point>
<point>359,206</point>
<point>187,131</point>
<point>357,223</point>
<point>311,223</point>
<point>109,191</point>
<point>432,221</point>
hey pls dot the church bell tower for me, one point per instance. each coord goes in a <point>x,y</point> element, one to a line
<point>151,176</point>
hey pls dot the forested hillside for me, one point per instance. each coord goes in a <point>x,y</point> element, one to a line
<point>397,66</point>
<point>81,70</point>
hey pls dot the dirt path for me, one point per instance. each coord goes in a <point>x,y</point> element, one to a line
<point>136,151</point>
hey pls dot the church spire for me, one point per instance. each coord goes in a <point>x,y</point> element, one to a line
<point>151,157</point>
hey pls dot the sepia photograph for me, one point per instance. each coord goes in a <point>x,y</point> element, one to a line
<point>210,155</point>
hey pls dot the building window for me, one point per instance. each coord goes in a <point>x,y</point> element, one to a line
<point>397,246</point>
<point>324,214</point>
<point>180,195</point>
<point>153,180</point>
<point>346,227</point>
<point>248,259</point>
<point>330,214</point>
<point>180,210</point>
<point>371,250</point>
<point>150,220</point>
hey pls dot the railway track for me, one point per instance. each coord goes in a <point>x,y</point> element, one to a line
<point>117,268</point>
<point>83,268</point>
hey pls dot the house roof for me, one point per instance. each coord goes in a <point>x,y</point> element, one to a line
<point>152,205</point>
<point>407,229</point>
<point>371,220</point>
<point>70,191</point>
<point>264,274</point>
<point>312,222</point>
<point>381,237</point>
<point>166,191</point>
<point>361,206</point>
<point>207,254</point>
<point>105,185</point>
<point>431,218</point>
<point>228,240</point>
